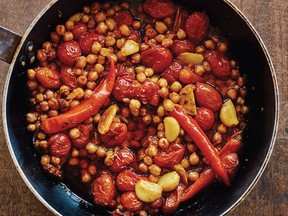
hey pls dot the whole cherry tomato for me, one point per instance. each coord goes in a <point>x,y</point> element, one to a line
<point>148,92</point>
<point>124,18</point>
<point>170,156</point>
<point>123,158</point>
<point>87,39</point>
<point>171,73</point>
<point>158,58</point>
<point>180,46</point>
<point>207,96</point>
<point>104,190</point>
<point>116,134</point>
<point>67,52</point>
<point>159,8</point>
<point>84,135</point>
<point>79,29</point>
<point>173,200</point>
<point>48,77</point>
<point>231,162</point>
<point>197,26</point>
<point>127,179</point>
<point>59,145</point>
<point>205,118</point>
<point>131,202</point>
<point>68,77</point>
<point>219,63</point>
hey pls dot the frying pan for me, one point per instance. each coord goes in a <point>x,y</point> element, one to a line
<point>246,47</point>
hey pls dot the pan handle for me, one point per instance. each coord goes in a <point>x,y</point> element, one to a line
<point>9,42</point>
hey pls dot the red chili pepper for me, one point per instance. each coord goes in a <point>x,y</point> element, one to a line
<point>85,109</point>
<point>207,176</point>
<point>201,140</point>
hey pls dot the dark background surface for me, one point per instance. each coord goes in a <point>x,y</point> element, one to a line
<point>269,196</point>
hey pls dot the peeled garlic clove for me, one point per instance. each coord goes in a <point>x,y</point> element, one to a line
<point>130,47</point>
<point>182,173</point>
<point>187,99</point>
<point>169,181</point>
<point>107,118</point>
<point>76,17</point>
<point>228,115</point>
<point>187,58</point>
<point>172,128</point>
<point>148,191</point>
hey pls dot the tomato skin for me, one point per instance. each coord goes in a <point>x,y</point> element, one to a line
<point>79,29</point>
<point>116,134</point>
<point>131,202</point>
<point>219,63</point>
<point>207,96</point>
<point>59,145</point>
<point>180,46</point>
<point>127,179</point>
<point>173,200</point>
<point>87,39</point>
<point>124,18</point>
<point>68,77</point>
<point>104,190</point>
<point>158,58</point>
<point>205,118</point>
<point>124,157</point>
<point>48,77</point>
<point>67,52</point>
<point>85,131</point>
<point>135,35</point>
<point>171,73</point>
<point>230,162</point>
<point>197,26</point>
<point>170,156</point>
<point>159,8</point>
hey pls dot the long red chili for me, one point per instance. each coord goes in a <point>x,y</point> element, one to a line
<point>85,109</point>
<point>207,176</point>
<point>201,140</point>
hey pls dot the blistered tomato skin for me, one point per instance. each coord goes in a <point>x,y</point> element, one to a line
<point>205,118</point>
<point>158,58</point>
<point>171,73</point>
<point>59,145</point>
<point>68,77</point>
<point>219,63</point>
<point>116,134</point>
<point>173,200</point>
<point>180,46</point>
<point>67,52</point>
<point>84,136</point>
<point>87,39</point>
<point>127,179</point>
<point>170,156</point>
<point>159,8</point>
<point>231,162</point>
<point>197,26</point>
<point>131,202</point>
<point>79,29</point>
<point>123,158</point>
<point>48,77</point>
<point>104,190</point>
<point>207,96</point>
<point>124,18</point>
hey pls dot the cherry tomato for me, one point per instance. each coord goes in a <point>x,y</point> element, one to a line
<point>207,96</point>
<point>205,118</point>
<point>79,29</point>
<point>173,200</point>
<point>159,8</point>
<point>231,162</point>
<point>171,73</point>
<point>123,158</point>
<point>48,77</point>
<point>59,145</point>
<point>68,77</point>
<point>104,190</point>
<point>158,58</point>
<point>188,76</point>
<point>67,52</point>
<point>127,179</point>
<point>219,63</point>
<point>197,26</point>
<point>131,202</point>
<point>180,46</point>
<point>134,35</point>
<point>124,18</point>
<point>170,156</point>
<point>87,39</point>
<point>116,134</point>
<point>148,92</point>
<point>84,136</point>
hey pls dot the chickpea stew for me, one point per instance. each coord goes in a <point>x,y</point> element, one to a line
<point>141,107</point>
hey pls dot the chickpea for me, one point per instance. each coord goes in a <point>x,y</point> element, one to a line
<point>31,117</point>
<point>174,97</point>
<point>167,43</point>
<point>244,110</point>
<point>193,176</point>
<point>240,101</point>
<point>162,82</point>
<point>222,129</point>
<point>55,160</point>
<point>74,133</point>
<point>160,111</point>
<point>100,17</point>
<point>222,47</point>
<point>101,152</point>
<point>85,177</point>
<point>143,167</point>
<point>210,44</point>
<point>243,92</point>
<point>200,70</point>
<point>136,24</point>
<point>96,118</point>
<point>164,92</point>
<point>200,49</point>
<point>143,213</point>
<point>31,127</point>
<point>152,150</point>
<point>160,127</point>
<point>124,30</point>
<point>117,7</point>
<point>81,62</point>
<point>39,97</point>
<point>148,160</point>
<point>43,144</point>
<point>152,42</point>
<point>92,169</point>
<point>160,134</point>
<point>82,80</point>
<point>141,77</point>
<point>185,163</point>
<point>110,12</point>
<point>241,81</point>
<point>85,18</point>
<point>194,159</point>
<point>136,58</point>
<point>134,104</point>
<point>69,25</point>
<point>125,5</point>
<point>159,38</point>
<point>99,68</point>
<point>234,64</point>
<point>232,93</point>
<point>111,24</point>
<point>44,106</point>
<point>181,34</point>
<point>91,148</point>
<point>168,21</point>
<point>101,28</point>
<point>217,138</point>
<point>41,136</point>
<point>144,47</point>
<point>157,119</point>
<point>176,86</point>
<point>45,159</point>
<point>101,59</point>
<point>60,30</point>
<point>155,170</point>
<point>110,41</point>
<point>154,179</point>
<point>68,36</point>
<point>168,105</point>
<point>163,143</point>
<point>235,74</point>
<point>73,161</point>
<point>55,37</point>
<point>161,27</point>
